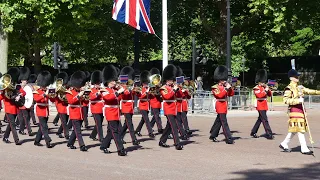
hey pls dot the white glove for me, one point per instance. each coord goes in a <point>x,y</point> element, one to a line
<point>183,90</point>
<point>121,90</point>
<point>81,93</point>
<point>301,100</point>
<point>148,89</point>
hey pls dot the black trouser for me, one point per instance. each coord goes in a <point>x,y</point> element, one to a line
<point>56,119</point>
<point>25,116</point>
<point>11,127</point>
<point>32,115</point>
<point>76,133</point>
<point>98,119</point>
<point>171,127</point>
<point>128,125</point>
<point>156,118</point>
<point>179,124</point>
<point>17,120</point>
<point>144,119</point>
<point>264,119</point>
<point>63,127</point>
<point>85,110</point>
<point>43,130</point>
<point>184,118</point>
<point>113,132</point>
<point>221,121</point>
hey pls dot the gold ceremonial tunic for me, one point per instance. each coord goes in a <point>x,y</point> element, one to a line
<point>292,93</point>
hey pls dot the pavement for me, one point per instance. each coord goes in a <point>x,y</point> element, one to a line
<point>200,159</point>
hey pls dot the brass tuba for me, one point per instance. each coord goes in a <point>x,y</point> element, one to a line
<point>10,91</point>
<point>155,83</point>
<point>5,82</point>
<point>60,90</point>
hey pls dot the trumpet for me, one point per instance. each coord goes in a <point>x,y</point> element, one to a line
<point>190,86</point>
<point>87,91</point>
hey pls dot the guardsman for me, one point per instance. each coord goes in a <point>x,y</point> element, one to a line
<point>96,105</point>
<point>31,81</point>
<point>143,104</point>
<point>75,97</point>
<point>221,91</point>
<point>85,103</point>
<point>24,113</point>
<point>112,110</point>
<point>127,104</point>
<point>155,104</point>
<point>261,92</point>
<point>10,96</point>
<point>169,106</point>
<point>179,98</point>
<point>185,98</point>
<point>41,97</point>
<point>293,97</point>
<point>62,104</point>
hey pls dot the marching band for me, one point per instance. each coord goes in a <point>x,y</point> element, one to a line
<point>110,93</point>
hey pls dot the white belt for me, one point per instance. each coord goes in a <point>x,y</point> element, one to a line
<point>169,100</point>
<point>221,99</point>
<point>179,99</point>
<point>261,99</point>
<point>127,100</point>
<point>96,101</point>
<point>42,104</point>
<point>184,99</point>
<point>111,106</point>
<point>75,106</point>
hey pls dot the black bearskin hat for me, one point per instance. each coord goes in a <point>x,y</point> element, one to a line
<point>96,77</point>
<point>169,73</point>
<point>78,79</point>
<point>32,78</point>
<point>44,79</point>
<point>261,76</point>
<point>154,71</point>
<point>88,76</point>
<point>179,71</point>
<point>14,73</point>
<point>127,70</point>
<point>144,77</point>
<point>0,74</point>
<point>118,71</point>
<point>109,74</point>
<point>221,73</point>
<point>64,76</point>
<point>24,73</point>
<point>293,73</point>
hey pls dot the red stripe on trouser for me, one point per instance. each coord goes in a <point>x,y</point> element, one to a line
<point>146,124</point>
<point>176,119</point>
<point>94,117</point>
<point>264,125</point>
<point>64,130</point>
<point>156,118</point>
<point>128,128</point>
<point>183,119</point>
<point>224,129</point>
<point>174,137</point>
<point>114,138</point>
<point>40,129</point>
<point>9,124</point>
<point>75,132</point>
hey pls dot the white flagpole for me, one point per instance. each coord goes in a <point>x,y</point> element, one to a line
<point>164,34</point>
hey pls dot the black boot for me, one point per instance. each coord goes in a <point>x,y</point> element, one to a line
<point>6,140</point>
<point>214,139</point>
<point>71,146</point>
<point>270,136</point>
<point>22,133</point>
<point>162,144</point>
<point>94,138</point>
<point>122,152</point>
<point>18,142</point>
<point>49,145</point>
<point>179,147</point>
<point>160,131</point>
<point>83,148</point>
<point>254,135</point>
<point>229,141</point>
<point>105,150</point>
<point>123,142</point>
<point>138,134</point>
<point>135,142</point>
<point>59,135</point>
<point>151,135</point>
<point>37,144</point>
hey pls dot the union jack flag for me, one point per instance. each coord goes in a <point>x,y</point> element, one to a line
<point>136,13</point>
<point>271,82</point>
<point>180,80</point>
<point>234,79</point>
<point>123,78</point>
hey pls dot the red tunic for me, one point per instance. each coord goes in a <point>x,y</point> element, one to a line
<point>261,95</point>
<point>127,102</point>
<point>221,95</point>
<point>179,96</point>
<point>9,106</point>
<point>23,93</point>
<point>143,99</point>
<point>169,103</point>
<point>75,104</point>
<point>155,101</point>
<point>111,105</point>
<point>42,102</point>
<point>96,102</point>
<point>85,102</point>
<point>185,97</point>
<point>61,106</point>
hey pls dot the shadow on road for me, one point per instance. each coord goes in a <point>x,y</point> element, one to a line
<point>308,172</point>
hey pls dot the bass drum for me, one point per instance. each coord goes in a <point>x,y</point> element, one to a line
<point>28,97</point>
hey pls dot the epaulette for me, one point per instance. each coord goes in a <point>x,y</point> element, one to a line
<point>163,87</point>
<point>35,92</point>
<point>214,86</point>
<point>68,91</point>
<point>256,87</point>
